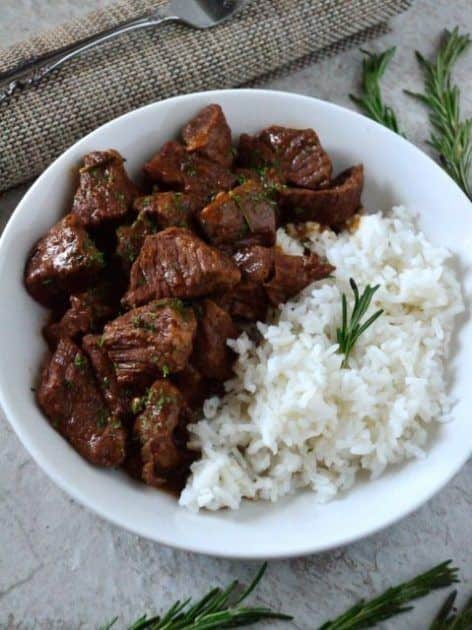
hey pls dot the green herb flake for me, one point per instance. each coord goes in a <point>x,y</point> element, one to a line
<point>165,371</point>
<point>80,361</point>
<point>137,405</point>
<point>102,418</point>
<point>69,384</point>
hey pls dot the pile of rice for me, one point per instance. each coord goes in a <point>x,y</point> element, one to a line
<point>292,417</point>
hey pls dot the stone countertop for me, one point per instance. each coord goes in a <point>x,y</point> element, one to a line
<point>63,567</point>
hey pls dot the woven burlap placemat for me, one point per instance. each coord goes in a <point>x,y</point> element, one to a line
<point>142,67</point>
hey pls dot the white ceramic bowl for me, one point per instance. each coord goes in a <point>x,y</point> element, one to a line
<point>396,173</point>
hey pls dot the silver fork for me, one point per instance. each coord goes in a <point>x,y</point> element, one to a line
<point>200,14</point>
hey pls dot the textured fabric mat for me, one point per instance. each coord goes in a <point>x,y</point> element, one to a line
<point>145,66</point>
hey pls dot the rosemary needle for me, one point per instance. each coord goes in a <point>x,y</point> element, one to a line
<point>448,619</point>
<point>451,137</point>
<point>367,614</point>
<point>352,328</point>
<point>370,102</point>
<point>217,609</point>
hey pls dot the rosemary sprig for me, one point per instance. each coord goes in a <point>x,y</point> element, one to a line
<point>370,101</point>
<point>448,619</point>
<point>217,609</point>
<point>351,329</point>
<point>394,601</point>
<point>451,137</point>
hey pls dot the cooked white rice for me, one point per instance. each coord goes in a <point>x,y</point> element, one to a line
<point>292,417</point>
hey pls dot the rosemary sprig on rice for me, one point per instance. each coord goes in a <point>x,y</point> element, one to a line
<point>351,329</point>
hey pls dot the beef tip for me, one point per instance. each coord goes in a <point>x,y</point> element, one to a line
<point>269,178</point>
<point>294,273</point>
<point>297,155</point>
<point>176,263</point>
<point>211,355</point>
<point>87,313</point>
<point>72,400</point>
<point>176,169</point>
<point>255,262</point>
<point>170,209</point>
<point>247,301</point>
<point>105,192</point>
<point>193,386</point>
<point>130,239</point>
<point>244,214</point>
<point>148,342</point>
<point>208,134</point>
<point>156,212</point>
<point>156,433</point>
<point>330,206</point>
<point>62,262</point>
<point>116,397</point>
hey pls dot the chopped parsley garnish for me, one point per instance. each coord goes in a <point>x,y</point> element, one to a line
<point>102,418</point>
<point>80,361</point>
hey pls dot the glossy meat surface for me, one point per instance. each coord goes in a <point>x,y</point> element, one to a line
<point>169,209</point>
<point>331,206</point>
<point>211,355</point>
<point>64,261</point>
<point>176,263</point>
<point>292,274</point>
<point>71,398</point>
<point>296,154</point>
<point>175,168</point>
<point>209,135</point>
<point>256,263</point>
<point>148,342</point>
<point>87,312</point>
<point>245,215</point>
<point>105,192</point>
<point>105,373</point>
<point>154,431</point>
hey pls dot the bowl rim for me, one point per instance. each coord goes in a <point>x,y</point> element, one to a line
<point>79,495</point>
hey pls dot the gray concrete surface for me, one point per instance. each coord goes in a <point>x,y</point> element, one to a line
<point>63,567</point>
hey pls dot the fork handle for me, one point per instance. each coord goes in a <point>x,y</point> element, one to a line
<point>33,72</point>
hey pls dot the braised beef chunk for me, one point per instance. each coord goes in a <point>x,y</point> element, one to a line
<point>294,273</point>
<point>193,386</point>
<point>155,432</point>
<point>255,262</point>
<point>64,261</point>
<point>156,212</point>
<point>116,398</point>
<point>330,206</point>
<point>247,301</point>
<point>72,400</point>
<point>176,263</point>
<point>211,355</point>
<point>269,178</point>
<point>170,209</point>
<point>87,313</point>
<point>150,341</point>
<point>130,239</point>
<point>105,192</point>
<point>244,214</point>
<point>208,134</point>
<point>296,154</point>
<point>175,168</point>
